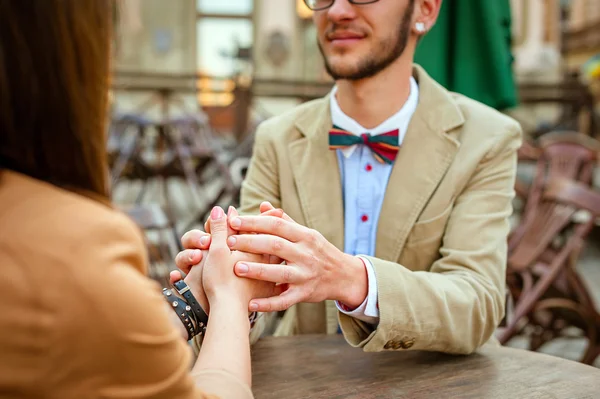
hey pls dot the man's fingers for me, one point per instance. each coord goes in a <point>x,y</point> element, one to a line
<point>276,303</point>
<point>270,225</point>
<point>278,213</point>
<point>274,260</point>
<point>207,225</point>
<point>195,239</point>
<point>249,257</point>
<point>273,273</point>
<point>265,207</point>
<point>231,213</point>
<point>188,258</point>
<point>263,244</point>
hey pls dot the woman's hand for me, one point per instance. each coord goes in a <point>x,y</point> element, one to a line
<point>218,279</point>
<point>197,242</point>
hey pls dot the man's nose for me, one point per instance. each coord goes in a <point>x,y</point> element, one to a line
<point>341,10</point>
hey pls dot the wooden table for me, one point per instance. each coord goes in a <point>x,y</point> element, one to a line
<point>327,367</point>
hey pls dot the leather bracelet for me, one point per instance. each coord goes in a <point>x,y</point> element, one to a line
<point>201,317</point>
<point>183,311</point>
<point>252,319</point>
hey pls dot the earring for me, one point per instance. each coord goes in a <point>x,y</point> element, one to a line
<point>420,26</point>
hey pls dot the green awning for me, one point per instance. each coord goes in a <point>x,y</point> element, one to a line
<point>469,51</point>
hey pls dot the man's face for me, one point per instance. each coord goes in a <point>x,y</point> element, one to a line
<point>358,41</point>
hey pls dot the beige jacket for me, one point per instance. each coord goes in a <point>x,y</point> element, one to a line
<point>78,318</point>
<point>441,240</point>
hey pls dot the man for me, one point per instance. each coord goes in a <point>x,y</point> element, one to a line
<point>408,248</point>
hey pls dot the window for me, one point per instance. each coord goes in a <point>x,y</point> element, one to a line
<point>228,7</point>
<point>223,29</point>
<point>218,42</point>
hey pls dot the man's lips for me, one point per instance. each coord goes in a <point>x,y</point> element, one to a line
<point>344,37</point>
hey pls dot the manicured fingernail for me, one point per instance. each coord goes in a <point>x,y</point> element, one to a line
<point>242,268</point>
<point>217,213</point>
<point>253,306</point>
<point>229,210</point>
<point>236,223</point>
<point>204,241</point>
<point>231,241</point>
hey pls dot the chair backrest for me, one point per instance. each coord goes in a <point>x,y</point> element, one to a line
<point>568,156</point>
<point>562,154</point>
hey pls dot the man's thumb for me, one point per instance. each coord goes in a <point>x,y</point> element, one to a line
<point>218,227</point>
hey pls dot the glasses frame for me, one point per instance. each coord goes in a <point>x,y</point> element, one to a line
<point>355,2</point>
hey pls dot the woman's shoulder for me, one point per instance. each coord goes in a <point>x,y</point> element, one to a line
<point>45,218</point>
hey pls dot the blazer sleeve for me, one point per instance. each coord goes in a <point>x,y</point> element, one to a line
<point>131,349</point>
<point>456,306</point>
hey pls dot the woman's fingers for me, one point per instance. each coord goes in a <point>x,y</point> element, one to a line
<point>218,228</point>
<point>188,258</point>
<point>175,276</point>
<point>196,239</point>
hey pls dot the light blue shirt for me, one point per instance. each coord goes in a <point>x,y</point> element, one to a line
<point>364,182</point>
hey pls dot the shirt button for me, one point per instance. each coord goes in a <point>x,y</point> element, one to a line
<point>368,168</point>
<point>364,218</point>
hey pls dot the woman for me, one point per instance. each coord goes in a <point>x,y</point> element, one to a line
<point>77,317</point>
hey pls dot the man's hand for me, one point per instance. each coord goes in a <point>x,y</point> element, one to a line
<point>196,244</point>
<point>218,279</point>
<point>316,270</point>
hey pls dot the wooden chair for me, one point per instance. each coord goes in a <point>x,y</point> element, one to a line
<point>547,291</point>
<point>569,154</point>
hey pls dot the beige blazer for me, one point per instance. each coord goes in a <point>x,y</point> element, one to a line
<point>441,239</point>
<point>78,318</point>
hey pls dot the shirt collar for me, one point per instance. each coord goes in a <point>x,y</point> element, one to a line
<point>400,120</point>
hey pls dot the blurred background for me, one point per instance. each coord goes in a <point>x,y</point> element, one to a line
<point>193,78</point>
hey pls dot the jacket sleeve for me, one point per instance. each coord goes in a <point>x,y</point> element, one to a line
<point>125,345</point>
<point>456,306</point>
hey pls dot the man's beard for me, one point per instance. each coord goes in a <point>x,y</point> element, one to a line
<point>385,54</point>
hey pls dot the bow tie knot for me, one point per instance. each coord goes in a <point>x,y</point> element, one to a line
<point>384,146</point>
<point>365,138</point>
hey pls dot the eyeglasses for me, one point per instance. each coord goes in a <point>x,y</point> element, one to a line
<point>318,5</point>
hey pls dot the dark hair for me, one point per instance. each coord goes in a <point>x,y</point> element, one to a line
<point>54,82</point>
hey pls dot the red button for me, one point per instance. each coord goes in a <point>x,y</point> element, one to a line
<point>364,218</point>
<point>368,168</point>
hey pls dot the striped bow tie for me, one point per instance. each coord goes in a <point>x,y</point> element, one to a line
<point>384,146</point>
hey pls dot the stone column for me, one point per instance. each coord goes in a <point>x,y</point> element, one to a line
<point>157,36</point>
<point>535,56</point>
<point>277,52</point>
<point>154,37</point>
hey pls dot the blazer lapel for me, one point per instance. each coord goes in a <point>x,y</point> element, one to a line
<point>316,172</point>
<point>426,154</point>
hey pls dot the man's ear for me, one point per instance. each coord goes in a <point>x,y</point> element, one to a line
<point>425,15</point>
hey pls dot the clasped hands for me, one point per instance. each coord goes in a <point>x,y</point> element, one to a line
<point>284,262</point>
